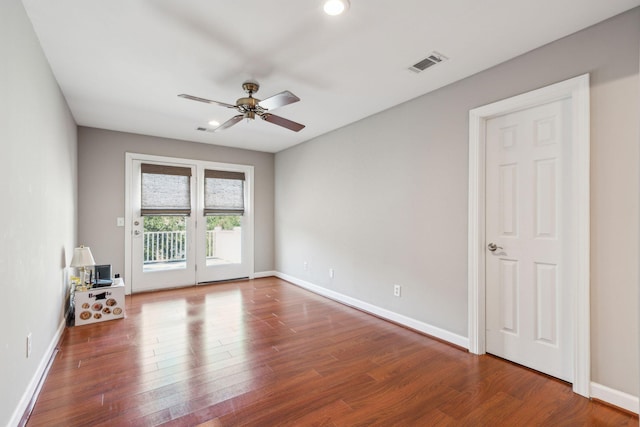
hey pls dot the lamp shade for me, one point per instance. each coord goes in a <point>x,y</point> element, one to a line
<point>82,257</point>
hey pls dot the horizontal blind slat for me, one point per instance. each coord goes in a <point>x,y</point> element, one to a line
<point>222,212</point>
<point>165,169</point>
<point>208,173</point>
<point>165,212</point>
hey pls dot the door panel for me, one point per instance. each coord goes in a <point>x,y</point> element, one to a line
<point>547,303</point>
<point>509,296</point>
<point>225,219</point>
<point>546,206</point>
<point>527,291</point>
<point>162,249</point>
<point>225,256</point>
<point>509,200</point>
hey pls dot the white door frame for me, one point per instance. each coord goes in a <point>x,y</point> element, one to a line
<point>128,229</point>
<point>577,91</point>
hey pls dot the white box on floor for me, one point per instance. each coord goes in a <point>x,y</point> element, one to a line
<point>99,304</point>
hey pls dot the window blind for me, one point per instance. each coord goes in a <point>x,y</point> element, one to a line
<point>166,190</point>
<point>223,192</point>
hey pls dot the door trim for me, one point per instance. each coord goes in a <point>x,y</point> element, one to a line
<point>130,157</point>
<point>577,91</point>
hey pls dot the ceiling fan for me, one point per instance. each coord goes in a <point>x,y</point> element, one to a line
<point>250,107</point>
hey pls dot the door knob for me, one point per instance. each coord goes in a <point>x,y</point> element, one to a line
<point>136,232</point>
<point>492,247</point>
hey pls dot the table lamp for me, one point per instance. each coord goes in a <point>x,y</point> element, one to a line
<point>82,258</point>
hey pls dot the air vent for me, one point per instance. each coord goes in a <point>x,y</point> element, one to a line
<point>200,128</point>
<point>433,59</point>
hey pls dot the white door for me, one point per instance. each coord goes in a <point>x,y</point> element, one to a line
<point>191,222</point>
<point>528,289</point>
<point>224,223</point>
<point>163,225</point>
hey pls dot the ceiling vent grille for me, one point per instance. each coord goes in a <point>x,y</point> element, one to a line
<point>431,60</point>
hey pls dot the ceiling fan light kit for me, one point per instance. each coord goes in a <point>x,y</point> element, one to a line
<point>250,107</point>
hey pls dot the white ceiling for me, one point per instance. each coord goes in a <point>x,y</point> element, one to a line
<point>122,63</point>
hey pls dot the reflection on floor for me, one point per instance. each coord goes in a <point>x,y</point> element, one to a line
<point>267,353</point>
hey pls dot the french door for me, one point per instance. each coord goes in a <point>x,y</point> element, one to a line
<point>188,222</point>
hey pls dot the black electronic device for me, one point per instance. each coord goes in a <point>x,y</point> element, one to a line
<point>102,276</point>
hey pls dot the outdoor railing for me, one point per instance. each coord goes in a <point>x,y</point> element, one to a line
<point>170,246</point>
<point>164,246</point>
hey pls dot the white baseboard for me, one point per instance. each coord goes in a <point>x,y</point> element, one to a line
<point>614,397</point>
<point>16,417</point>
<point>378,311</point>
<point>261,274</point>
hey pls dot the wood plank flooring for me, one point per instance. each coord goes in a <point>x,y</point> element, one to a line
<point>267,353</point>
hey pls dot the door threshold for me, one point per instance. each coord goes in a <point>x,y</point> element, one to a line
<point>217,282</point>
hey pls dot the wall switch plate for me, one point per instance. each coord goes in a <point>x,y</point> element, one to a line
<point>120,221</point>
<point>331,273</point>
<point>396,290</point>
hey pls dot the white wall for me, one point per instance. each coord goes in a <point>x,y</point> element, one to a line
<point>101,162</point>
<point>38,215</point>
<point>399,180</point>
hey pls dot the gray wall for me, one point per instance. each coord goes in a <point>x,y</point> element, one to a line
<point>384,200</point>
<point>38,193</point>
<point>398,179</point>
<point>101,188</point>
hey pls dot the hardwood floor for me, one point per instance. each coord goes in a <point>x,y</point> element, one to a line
<point>267,353</point>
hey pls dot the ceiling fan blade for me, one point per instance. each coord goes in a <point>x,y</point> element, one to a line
<point>281,121</point>
<point>279,100</point>
<point>208,101</point>
<point>232,121</point>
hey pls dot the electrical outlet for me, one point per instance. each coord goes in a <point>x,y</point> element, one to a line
<point>305,265</point>
<point>396,290</point>
<point>29,345</point>
<point>331,273</point>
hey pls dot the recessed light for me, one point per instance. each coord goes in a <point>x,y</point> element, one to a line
<point>335,7</point>
<point>214,123</point>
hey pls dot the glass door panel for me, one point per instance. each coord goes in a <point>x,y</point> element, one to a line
<point>224,240</point>
<point>162,251</point>
<point>164,243</point>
